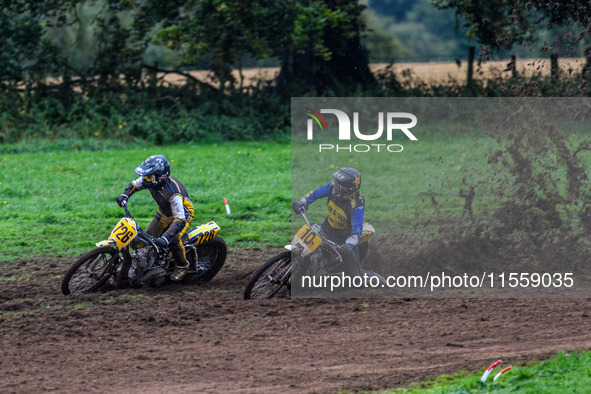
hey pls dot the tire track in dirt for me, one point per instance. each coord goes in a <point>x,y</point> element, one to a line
<point>207,339</point>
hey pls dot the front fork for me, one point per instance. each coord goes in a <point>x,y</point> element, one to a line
<point>122,269</point>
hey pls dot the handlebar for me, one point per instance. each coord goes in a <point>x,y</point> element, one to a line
<point>127,213</point>
<point>150,238</point>
<point>305,214</point>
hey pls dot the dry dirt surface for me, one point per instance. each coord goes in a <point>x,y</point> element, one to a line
<point>206,338</point>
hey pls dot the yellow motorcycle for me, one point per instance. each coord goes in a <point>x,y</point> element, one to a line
<point>311,251</point>
<point>131,258</point>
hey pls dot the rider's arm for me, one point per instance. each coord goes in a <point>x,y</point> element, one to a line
<point>356,226</point>
<point>314,195</point>
<point>178,214</point>
<point>133,187</point>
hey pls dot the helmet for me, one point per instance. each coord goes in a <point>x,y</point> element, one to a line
<point>347,182</point>
<point>154,171</point>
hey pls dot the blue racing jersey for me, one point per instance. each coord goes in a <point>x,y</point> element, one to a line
<point>344,220</point>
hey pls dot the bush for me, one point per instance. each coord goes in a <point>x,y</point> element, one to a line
<point>167,115</point>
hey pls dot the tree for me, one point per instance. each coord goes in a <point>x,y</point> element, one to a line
<point>563,11</point>
<point>223,32</point>
<point>25,53</point>
<point>324,50</point>
<point>380,41</point>
<point>94,43</point>
<point>495,24</point>
<point>569,12</point>
<point>318,42</point>
<point>396,8</point>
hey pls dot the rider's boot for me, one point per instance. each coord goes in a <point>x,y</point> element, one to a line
<point>178,273</point>
<point>178,252</point>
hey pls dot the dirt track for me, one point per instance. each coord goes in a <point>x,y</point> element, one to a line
<point>207,339</point>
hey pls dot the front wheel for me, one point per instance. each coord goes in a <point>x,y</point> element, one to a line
<point>90,271</point>
<point>270,277</point>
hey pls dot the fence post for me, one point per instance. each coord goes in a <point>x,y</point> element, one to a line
<point>554,69</point>
<point>470,75</point>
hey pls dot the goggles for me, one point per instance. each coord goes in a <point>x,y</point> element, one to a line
<point>340,188</point>
<point>344,191</point>
<point>149,178</point>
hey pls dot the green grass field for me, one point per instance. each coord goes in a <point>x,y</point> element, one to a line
<point>57,202</point>
<point>566,373</point>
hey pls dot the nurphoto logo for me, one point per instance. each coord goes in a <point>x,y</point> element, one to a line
<point>396,123</point>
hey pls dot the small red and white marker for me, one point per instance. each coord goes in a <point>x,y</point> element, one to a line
<point>500,373</point>
<point>227,206</point>
<point>489,370</point>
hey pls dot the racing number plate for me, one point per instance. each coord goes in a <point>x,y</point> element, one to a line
<point>203,233</point>
<point>124,232</point>
<point>307,239</point>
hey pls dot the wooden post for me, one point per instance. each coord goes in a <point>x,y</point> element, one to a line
<point>153,77</point>
<point>554,69</point>
<point>469,77</point>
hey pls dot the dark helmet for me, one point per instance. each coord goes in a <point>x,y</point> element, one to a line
<point>154,170</point>
<point>347,182</point>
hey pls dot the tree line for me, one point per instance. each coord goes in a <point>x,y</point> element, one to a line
<point>110,44</point>
<point>103,62</point>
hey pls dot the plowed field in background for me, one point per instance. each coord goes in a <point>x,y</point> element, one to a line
<point>433,72</point>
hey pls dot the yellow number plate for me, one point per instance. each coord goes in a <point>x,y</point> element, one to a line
<point>307,239</point>
<point>124,232</point>
<point>203,233</point>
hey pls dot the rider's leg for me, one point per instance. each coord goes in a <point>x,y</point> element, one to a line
<point>157,227</point>
<point>351,265</point>
<point>178,252</point>
<point>159,224</point>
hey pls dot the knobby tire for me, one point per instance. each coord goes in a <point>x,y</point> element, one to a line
<point>90,271</point>
<point>268,279</point>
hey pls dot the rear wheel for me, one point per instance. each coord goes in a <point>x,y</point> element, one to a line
<point>270,277</point>
<point>90,271</point>
<point>210,260</point>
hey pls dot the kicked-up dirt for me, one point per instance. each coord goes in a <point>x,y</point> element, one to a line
<point>206,338</point>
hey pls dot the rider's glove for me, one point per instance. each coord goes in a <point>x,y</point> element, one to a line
<point>298,206</point>
<point>122,199</point>
<point>345,250</point>
<point>161,242</point>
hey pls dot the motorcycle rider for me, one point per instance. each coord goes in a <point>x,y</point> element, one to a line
<point>344,221</point>
<point>175,209</point>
